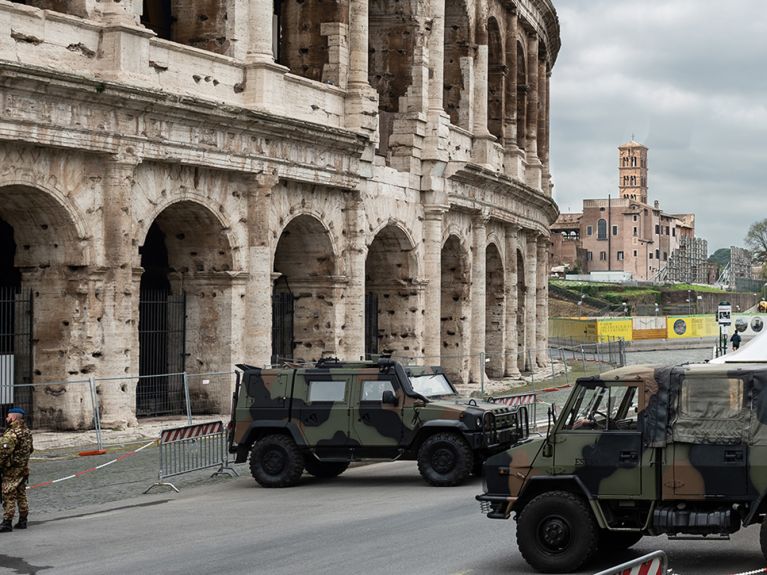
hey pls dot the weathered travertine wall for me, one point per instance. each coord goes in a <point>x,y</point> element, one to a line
<point>371,150</point>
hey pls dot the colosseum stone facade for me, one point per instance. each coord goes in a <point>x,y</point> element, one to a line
<point>303,177</point>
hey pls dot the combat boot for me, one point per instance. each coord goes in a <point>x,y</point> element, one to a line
<point>22,523</point>
<point>6,526</point>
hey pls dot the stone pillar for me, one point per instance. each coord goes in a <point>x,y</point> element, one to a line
<point>478,296</point>
<point>547,183</point>
<point>124,49</point>
<point>542,122</point>
<point>361,103</point>
<point>533,170</point>
<point>513,161</point>
<point>512,341</point>
<point>435,150</point>
<point>531,300</point>
<point>257,333</point>
<point>480,82</point>
<point>119,351</point>
<point>541,302</point>
<point>260,38</point>
<point>353,326</point>
<point>432,272</point>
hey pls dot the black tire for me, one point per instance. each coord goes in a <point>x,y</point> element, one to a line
<point>556,532</point>
<point>445,460</point>
<point>763,537</point>
<point>276,461</point>
<point>618,540</point>
<point>324,469</point>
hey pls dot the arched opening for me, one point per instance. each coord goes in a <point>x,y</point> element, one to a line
<point>199,24</point>
<point>391,39</point>
<point>496,76</point>
<point>304,264</point>
<point>495,312</point>
<point>454,302</point>
<point>391,297</point>
<point>184,309</point>
<point>456,63</point>
<point>39,304</point>
<point>522,89</point>
<point>521,304</point>
<point>303,39</point>
<point>602,229</point>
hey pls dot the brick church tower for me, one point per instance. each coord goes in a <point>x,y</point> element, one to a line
<point>632,171</point>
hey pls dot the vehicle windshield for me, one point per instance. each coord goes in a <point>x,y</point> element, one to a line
<point>432,385</point>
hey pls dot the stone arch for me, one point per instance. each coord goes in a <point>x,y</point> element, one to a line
<point>199,24</point>
<point>457,58</point>
<point>185,306</point>
<point>392,36</point>
<point>305,268</point>
<point>495,311</point>
<point>392,305</point>
<point>522,89</point>
<point>496,77</point>
<point>454,309</point>
<point>521,305</point>
<point>42,257</point>
<point>302,42</point>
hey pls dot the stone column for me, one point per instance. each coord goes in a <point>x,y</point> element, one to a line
<point>541,302</point>
<point>353,327</point>
<point>480,82</point>
<point>543,76</point>
<point>361,103</point>
<point>124,49</point>
<point>257,333</point>
<point>119,353</point>
<point>512,341</point>
<point>435,148</point>
<point>260,38</point>
<point>547,183</point>
<point>432,272</point>
<point>533,171</point>
<point>531,300</point>
<point>478,295</point>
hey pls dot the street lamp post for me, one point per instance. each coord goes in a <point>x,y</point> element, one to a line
<point>689,302</point>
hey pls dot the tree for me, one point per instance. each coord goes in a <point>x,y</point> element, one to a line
<point>756,240</point>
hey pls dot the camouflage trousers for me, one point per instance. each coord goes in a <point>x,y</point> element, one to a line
<point>14,493</point>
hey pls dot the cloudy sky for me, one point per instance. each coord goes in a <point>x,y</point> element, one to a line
<point>688,78</point>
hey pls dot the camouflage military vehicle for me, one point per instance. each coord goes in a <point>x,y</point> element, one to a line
<point>321,418</point>
<point>638,451</point>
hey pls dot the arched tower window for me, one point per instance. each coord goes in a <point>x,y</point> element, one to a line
<point>602,229</point>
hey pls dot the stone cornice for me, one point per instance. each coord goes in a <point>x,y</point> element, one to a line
<point>197,115</point>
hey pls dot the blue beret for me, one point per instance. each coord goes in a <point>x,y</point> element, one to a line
<point>18,410</point>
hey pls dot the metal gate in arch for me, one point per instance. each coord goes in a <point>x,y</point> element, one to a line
<point>16,317</point>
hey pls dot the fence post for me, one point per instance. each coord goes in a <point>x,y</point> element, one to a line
<point>187,400</point>
<point>96,416</point>
<point>564,363</point>
<point>482,373</point>
<point>583,358</point>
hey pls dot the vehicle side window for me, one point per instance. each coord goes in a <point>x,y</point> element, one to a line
<point>711,410</point>
<point>327,391</point>
<point>604,408</point>
<point>373,390</point>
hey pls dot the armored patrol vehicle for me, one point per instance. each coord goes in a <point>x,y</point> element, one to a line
<point>322,417</point>
<point>638,451</point>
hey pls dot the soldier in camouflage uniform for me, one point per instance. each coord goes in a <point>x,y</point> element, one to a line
<point>15,449</point>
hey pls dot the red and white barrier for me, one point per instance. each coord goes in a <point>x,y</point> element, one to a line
<point>520,399</point>
<point>654,563</point>
<point>190,431</point>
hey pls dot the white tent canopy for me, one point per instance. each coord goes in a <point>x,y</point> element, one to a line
<point>755,351</point>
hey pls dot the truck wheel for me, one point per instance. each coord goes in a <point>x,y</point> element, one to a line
<point>556,532</point>
<point>275,461</point>
<point>445,459</point>
<point>763,538</point>
<point>617,540</point>
<point>324,469</point>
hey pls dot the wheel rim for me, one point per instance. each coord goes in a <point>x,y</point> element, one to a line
<point>273,461</point>
<point>443,459</point>
<point>554,534</point>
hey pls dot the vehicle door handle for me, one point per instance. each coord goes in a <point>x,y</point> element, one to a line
<point>733,455</point>
<point>628,456</point>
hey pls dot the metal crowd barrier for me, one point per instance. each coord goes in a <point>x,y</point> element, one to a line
<point>191,448</point>
<point>654,563</point>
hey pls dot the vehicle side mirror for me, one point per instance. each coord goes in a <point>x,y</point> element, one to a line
<point>389,397</point>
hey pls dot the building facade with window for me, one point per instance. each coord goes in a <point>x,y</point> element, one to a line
<point>626,233</point>
<point>186,185</point>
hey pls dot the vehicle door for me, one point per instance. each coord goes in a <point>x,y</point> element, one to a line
<point>598,439</point>
<point>324,414</point>
<point>709,438</point>
<point>376,425</point>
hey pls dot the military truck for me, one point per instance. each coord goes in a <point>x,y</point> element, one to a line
<point>322,417</point>
<point>638,451</point>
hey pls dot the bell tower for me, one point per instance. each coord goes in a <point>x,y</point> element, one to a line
<point>632,171</point>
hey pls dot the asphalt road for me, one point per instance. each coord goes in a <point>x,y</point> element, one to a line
<point>375,519</point>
